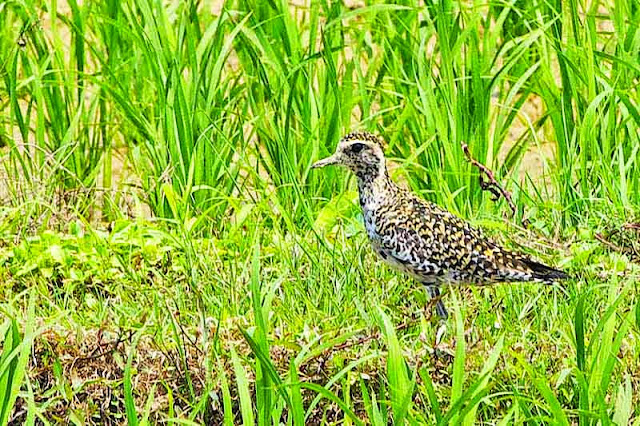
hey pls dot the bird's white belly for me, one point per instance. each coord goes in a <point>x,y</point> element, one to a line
<point>406,268</point>
<point>425,272</point>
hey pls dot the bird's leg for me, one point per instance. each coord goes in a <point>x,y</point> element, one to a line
<point>436,299</point>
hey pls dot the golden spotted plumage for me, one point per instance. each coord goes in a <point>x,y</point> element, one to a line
<point>420,238</point>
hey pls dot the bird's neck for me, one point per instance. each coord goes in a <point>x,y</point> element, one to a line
<point>374,187</point>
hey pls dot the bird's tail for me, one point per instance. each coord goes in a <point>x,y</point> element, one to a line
<point>543,272</point>
<point>517,267</point>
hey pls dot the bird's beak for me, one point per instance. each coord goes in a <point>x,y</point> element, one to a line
<point>326,162</point>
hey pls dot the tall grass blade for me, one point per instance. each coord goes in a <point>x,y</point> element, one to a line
<point>227,404</point>
<point>297,407</point>
<point>325,393</point>
<point>14,359</point>
<point>459,358</point>
<point>623,408</point>
<point>129,401</point>
<point>264,391</point>
<point>431,394</point>
<point>244,395</point>
<point>400,385</point>
<point>557,413</point>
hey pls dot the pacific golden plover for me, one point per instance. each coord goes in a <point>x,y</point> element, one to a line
<point>420,238</point>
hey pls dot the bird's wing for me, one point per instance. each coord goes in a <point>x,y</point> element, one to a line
<point>433,243</point>
<point>426,240</point>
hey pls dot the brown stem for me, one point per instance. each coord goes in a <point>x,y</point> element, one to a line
<point>492,185</point>
<point>373,336</point>
<point>631,225</point>
<point>608,243</point>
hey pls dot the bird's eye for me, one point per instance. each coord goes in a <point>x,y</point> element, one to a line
<point>357,147</point>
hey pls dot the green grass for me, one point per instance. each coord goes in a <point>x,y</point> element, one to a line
<point>168,255</point>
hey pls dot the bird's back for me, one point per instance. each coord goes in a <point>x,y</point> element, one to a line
<point>435,246</point>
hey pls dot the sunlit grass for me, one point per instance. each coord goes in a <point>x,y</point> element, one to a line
<point>249,295</point>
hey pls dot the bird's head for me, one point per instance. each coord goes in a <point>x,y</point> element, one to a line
<point>361,152</point>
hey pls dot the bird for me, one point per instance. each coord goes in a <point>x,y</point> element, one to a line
<point>420,238</point>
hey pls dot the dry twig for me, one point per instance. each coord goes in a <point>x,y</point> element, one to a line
<point>608,243</point>
<point>631,225</point>
<point>374,336</point>
<point>629,251</point>
<point>491,184</point>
